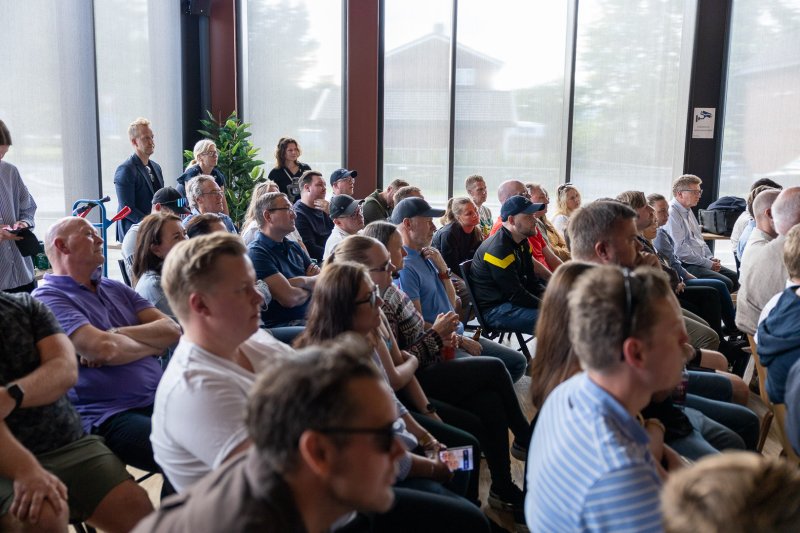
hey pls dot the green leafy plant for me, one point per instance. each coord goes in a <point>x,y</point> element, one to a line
<point>237,160</point>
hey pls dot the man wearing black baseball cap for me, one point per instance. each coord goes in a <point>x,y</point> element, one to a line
<point>165,200</point>
<point>503,281</point>
<point>347,220</point>
<point>343,181</point>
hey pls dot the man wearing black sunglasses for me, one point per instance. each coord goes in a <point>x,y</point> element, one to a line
<point>324,445</point>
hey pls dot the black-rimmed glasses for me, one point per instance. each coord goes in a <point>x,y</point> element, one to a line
<point>280,209</point>
<point>384,436</point>
<point>372,299</point>
<point>386,267</point>
<point>698,192</point>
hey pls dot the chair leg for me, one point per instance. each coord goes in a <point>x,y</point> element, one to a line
<point>523,346</point>
<point>763,433</point>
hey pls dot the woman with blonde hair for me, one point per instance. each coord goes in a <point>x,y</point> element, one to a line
<point>568,200</point>
<point>205,161</point>
<point>551,234</point>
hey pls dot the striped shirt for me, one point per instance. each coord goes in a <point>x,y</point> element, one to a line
<point>16,204</point>
<point>589,467</point>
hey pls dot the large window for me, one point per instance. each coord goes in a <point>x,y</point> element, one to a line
<point>761,136</point>
<point>416,95</point>
<point>633,60</point>
<point>292,77</point>
<point>509,100</point>
<point>511,82</point>
<point>138,50</point>
<point>47,101</point>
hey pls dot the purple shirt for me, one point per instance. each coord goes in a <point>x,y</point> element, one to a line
<point>102,392</point>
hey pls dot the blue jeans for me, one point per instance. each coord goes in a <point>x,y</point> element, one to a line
<point>708,437</point>
<point>286,334</point>
<point>512,318</point>
<point>710,385</point>
<point>515,361</point>
<point>737,418</point>
<point>726,304</point>
<point>725,275</point>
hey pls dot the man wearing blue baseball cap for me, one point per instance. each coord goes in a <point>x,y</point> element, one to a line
<point>503,282</point>
<point>343,181</point>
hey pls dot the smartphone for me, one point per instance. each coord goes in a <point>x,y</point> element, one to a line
<point>457,458</point>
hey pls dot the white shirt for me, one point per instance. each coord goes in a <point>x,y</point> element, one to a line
<point>337,236</point>
<point>199,413</point>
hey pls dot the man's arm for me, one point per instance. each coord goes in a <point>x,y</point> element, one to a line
<point>288,293</point>
<point>33,485</point>
<point>129,343</point>
<point>677,229</point>
<point>56,374</point>
<point>552,259</point>
<point>541,270</point>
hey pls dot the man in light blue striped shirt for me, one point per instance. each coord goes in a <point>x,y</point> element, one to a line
<point>589,466</point>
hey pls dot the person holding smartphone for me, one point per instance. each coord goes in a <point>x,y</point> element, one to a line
<point>17,210</point>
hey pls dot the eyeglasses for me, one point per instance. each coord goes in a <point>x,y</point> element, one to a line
<point>211,154</point>
<point>384,436</point>
<point>630,308</point>
<point>280,209</point>
<point>386,267</point>
<point>372,299</point>
<point>348,180</point>
<point>215,193</point>
<point>698,192</point>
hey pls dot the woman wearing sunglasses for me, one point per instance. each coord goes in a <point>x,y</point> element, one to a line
<point>346,299</point>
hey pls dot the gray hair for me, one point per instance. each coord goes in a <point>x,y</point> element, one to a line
<point>195,188</point>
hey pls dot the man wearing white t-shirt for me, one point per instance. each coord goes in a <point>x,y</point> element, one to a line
<point>199,413</point>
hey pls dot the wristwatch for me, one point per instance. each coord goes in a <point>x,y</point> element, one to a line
<point>16,392</point>
<point>445,275</point>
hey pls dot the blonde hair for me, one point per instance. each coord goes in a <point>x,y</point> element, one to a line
<point>735,492</point>
<point>190,267</point>
<point>259,190</point>
<point>561,198</point>
<point>791,252</point>
<point>455,207</point>
<point>133,128</point>
<point>472,181</point>
<point>200,147</point>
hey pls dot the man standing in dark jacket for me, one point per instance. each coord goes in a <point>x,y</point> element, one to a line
<point>504,285</point>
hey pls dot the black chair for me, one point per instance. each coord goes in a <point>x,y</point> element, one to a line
<point>123,269</point>
<point>486,330</point>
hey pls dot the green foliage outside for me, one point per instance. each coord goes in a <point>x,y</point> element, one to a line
<point>237,160</point>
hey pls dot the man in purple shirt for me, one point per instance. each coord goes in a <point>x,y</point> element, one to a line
<point>117,335</point>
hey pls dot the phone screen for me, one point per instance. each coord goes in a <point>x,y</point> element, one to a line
<point>457,458</point>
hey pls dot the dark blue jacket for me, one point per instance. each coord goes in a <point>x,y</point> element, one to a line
<point>193,171</point>
<point>779,342</point>
<point>134,189</point>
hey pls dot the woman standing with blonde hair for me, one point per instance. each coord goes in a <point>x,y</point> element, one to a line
<point>205,161</point>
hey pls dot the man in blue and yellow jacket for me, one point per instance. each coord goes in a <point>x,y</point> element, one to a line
<point>504,285</point>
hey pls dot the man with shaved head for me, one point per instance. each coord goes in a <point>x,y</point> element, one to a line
<point>116,334</point>
<point>763,272</point>
<point>545,261</point>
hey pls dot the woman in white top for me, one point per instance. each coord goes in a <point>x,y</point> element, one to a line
<point>568,200</point>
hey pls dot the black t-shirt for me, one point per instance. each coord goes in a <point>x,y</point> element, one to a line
<point>285,179</point>
<point>25,321</point>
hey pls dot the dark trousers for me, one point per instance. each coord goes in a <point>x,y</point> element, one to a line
<point>482,387</point>
<point>127,434</point>
<point>23,288</point>
<point>704,302</point>
<point>725,275</point>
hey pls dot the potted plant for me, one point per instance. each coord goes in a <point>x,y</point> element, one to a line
<point>237,161</point>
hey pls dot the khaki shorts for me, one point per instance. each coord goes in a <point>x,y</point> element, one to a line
<point>87,467</point>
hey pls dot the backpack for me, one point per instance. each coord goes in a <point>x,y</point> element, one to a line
<point>721,215</point>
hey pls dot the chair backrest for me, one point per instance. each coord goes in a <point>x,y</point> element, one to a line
<point>466,267</point>
<point>778,409</point>
<point>123,269</point>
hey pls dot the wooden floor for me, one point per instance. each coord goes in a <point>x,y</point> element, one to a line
<point>772,447</point>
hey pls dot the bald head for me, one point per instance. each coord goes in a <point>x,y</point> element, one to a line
<point>762,210</point>
<point>786,210</point>
<point>510,188</point>
<point>60,230</point>
<point>73,247</point>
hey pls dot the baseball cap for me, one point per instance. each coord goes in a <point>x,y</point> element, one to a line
<point>171,199</point>
<point>414,207</point>
<point>516,205</point>
<point>343,205</point>
<point>341,173</point>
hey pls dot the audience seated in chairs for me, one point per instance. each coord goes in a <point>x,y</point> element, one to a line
<point>477,191</point>
<point>198,417</point>
<point>746,218</point>
<point>346,299</point>
<point>762,229</point>
<point>283,265</point>
<point>313,221</point>
<point>379,204</point>
<point>45,451</point>
<point>117,334</point>
<point>551,235</point>
<point>763,270</point>
<point>568,200</point>
<point>779,328</point>
<point>158,234</point>
<point>324,445</point>
<point>545,260</point>
<point>250,227</point>
<point>426,280</point>
<point>204,224</point>
<point>205,196</point>
<point>347,220</point>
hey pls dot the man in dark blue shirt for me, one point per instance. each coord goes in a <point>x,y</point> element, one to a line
<point>282,264</point>
<point>313,220</point>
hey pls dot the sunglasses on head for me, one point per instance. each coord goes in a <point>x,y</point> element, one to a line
<point>630,307</point>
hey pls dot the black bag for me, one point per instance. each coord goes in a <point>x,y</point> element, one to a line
<point>721,215</point>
